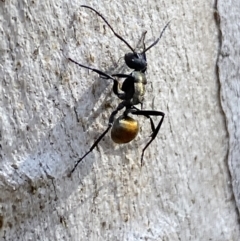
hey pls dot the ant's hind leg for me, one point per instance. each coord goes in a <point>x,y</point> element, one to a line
<point>148,113</point>
<point>110,123</point>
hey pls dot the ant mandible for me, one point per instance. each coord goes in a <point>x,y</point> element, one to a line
<point>131,92</point>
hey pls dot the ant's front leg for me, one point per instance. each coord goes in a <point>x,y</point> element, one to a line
<point>101,73</point>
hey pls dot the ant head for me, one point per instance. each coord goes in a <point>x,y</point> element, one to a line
<point>136,61</point>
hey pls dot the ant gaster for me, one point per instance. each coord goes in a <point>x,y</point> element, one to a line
<point>131,92</point>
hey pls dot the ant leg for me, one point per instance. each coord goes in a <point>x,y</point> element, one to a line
<point>101,73</point>
<point>141,42</point>
<point>117,35</point>
<point>110,123</point>
<point>157,40</point>
<point>92,147</point>
<point>144,46</point>
<point>147,116</point>
<point>126,90</point>
<point>122,75</point>
<point>143,39</point>
<point>156,130</point>
<point>116,89</point>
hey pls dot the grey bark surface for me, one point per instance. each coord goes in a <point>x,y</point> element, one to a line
<point>229,76</point>
<point>51,112</point>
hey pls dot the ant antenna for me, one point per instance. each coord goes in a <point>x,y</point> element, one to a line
<point>117,35</point>
<point>157,40</point>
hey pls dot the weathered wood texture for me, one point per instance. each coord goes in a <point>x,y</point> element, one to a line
<point>52,110</point>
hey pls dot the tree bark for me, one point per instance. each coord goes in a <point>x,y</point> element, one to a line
<point>52,111</point>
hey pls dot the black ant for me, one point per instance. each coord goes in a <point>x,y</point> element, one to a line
<point>134,60</point>
<point>131,92</point>
<point>125,128</point>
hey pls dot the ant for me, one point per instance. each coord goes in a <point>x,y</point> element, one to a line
<point>124,128</point>
<point>134,60</point>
